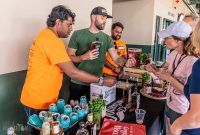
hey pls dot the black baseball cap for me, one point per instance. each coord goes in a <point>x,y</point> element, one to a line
<point>100,11</point>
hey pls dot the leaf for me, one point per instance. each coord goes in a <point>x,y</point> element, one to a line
<point>96,105</point>
<point>146,76</point>
<point>143,57</point>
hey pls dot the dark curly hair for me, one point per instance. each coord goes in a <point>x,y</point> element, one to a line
<point>117,24</point>
<point>59,12</point>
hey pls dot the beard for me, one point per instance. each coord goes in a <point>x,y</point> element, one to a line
<point>99,26</point>
<point>116,37</point>
<point>63,34</point>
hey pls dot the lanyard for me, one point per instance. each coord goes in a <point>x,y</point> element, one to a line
<point>174,67</point>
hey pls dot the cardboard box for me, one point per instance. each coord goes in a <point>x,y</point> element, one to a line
<point>109,93</point>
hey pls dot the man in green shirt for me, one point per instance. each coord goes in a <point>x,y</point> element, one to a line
<point>92,60</point>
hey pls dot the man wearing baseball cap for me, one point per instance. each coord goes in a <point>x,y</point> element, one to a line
<point>100,11</point>
<point>86,57</point>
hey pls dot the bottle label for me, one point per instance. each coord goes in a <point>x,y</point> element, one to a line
<point>103,112</point>
<point>55,127</point>
<point>46,128</point>
<point>90,117</point>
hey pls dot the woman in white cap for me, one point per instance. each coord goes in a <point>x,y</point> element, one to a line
<point>178,68</point>
<point>189,123</point>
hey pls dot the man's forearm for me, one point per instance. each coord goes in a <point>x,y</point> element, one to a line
<point>107,64</point>
<point>76,59</point>
<point>116,58</point>
<point>120,61</point>
<point>84,77</point>
<point>74,73</point>
<point>72,54</point>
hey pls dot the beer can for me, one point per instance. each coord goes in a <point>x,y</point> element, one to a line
<point>64,121</point>
<point>67,109</point>
<point>42,115</point>
<point>60,105</point>
<point>73,117</point>
<point>53,108</point>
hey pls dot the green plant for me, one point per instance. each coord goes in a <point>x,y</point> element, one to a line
<point>143,57</point>
<point>95,106</point>
<point>145,77</point>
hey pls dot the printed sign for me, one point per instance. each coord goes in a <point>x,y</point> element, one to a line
<point>111,127</point>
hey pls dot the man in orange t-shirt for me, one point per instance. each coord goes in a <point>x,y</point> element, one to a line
<point>110,67</point>
<point>48,60</point>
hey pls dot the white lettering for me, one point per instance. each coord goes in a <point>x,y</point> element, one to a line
<point>120,130</point>
<point>116,130</point>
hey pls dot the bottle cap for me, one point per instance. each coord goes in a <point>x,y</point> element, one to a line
<point>101,96</point>
<point>81,124</point>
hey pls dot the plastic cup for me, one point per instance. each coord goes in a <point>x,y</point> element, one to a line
<point>140,114</point>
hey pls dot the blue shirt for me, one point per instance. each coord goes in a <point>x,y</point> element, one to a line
<point>193,87</point>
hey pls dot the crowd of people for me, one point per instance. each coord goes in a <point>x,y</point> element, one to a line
<point>49,59</point>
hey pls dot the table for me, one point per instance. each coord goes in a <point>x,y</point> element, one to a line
<point>154,118</point>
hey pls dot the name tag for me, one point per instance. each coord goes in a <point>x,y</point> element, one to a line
<point>121,47</point>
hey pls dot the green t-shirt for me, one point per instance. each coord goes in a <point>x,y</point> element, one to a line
<point>81,41</point>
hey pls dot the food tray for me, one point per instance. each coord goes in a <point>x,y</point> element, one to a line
<point>143,92</point>
<point>65,129</point>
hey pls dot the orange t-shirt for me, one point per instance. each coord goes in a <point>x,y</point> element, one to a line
<point>44,77</point>
<point>121,50</point>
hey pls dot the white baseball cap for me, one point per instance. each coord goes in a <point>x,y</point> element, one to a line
<point>180,29</point>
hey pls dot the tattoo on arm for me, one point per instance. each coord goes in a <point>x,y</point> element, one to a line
<point>113,54</point>
<point>116,58</point>
<point>107,64</point>
<point>72,54</point>
<point>71,51</point>
<point>121,61</point>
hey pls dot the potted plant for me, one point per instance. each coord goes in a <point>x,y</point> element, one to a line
<point>95,107</point>
<point>143,58</point>
<point>146,77</point>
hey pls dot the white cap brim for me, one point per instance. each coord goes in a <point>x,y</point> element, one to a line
<point>164,34</point>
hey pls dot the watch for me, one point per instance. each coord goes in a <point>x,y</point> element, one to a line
<point>100,81</point>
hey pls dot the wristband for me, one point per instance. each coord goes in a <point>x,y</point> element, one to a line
<point>100,81</point>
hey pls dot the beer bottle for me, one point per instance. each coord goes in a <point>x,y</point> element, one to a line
<point>82,130</point>
<point>96,44</point>
<point>91,127</point>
